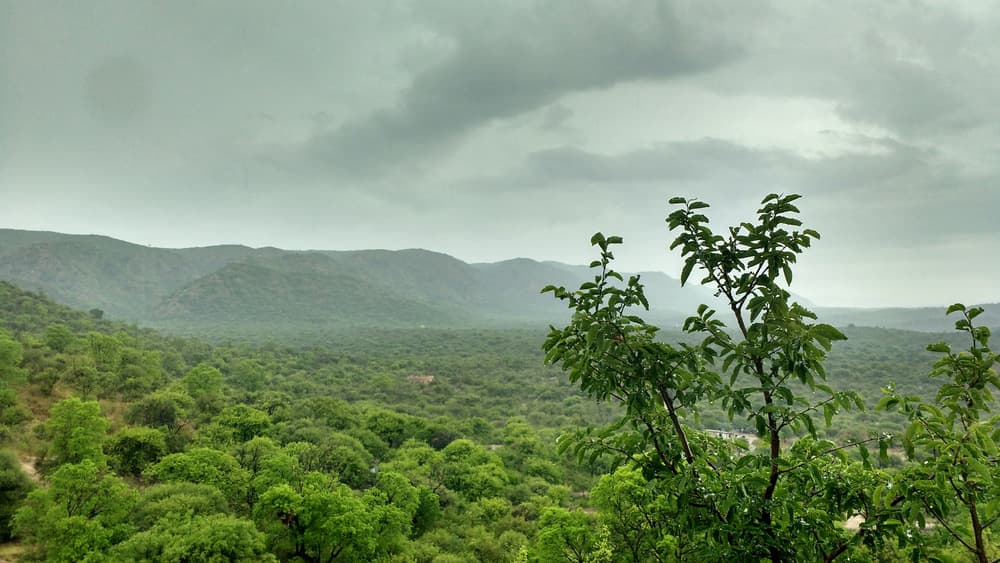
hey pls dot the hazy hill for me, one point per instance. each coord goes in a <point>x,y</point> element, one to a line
<point>307,289</point>
<point>924,319</point>
<point>259,289</point>
<point>237,288</point>
<point>89,271</point>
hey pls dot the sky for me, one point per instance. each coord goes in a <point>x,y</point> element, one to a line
<point>493,130</point>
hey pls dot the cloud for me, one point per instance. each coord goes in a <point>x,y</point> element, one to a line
<point>686,160</point>
<point>912,68</point>
<point>524,59</point>
<point>904,195</point>
<point>498,129</point>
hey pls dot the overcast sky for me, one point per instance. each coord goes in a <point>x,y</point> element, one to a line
<point>491,130</point>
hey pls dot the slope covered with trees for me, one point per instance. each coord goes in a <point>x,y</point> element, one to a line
<point>162,449</point>
<point>435,445</point>
<point>229,291</point>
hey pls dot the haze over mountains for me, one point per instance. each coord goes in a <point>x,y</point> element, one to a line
<point>218,286</point>
<point>240,289</point>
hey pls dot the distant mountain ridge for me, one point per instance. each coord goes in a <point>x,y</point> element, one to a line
<point>920,319</point>
<point>232,285</point>
<point>235,287</point>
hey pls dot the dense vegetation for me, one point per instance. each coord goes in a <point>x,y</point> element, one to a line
<point>408,444</point>
<point>165,449</point>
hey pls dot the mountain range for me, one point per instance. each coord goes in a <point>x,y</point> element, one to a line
<point>234,288</point>
<point>238,286</point>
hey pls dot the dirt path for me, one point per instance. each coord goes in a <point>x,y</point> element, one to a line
<point>28,466</point>
<point>10,552</point>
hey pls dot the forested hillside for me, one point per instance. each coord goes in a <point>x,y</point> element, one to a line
<point>399,444</point>
<point>434,445</point>
<point>232,290</point>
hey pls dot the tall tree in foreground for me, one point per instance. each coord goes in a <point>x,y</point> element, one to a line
<point>715,498</point>
<point>955,477</point>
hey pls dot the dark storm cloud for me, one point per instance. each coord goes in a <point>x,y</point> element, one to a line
<point>523,60</point>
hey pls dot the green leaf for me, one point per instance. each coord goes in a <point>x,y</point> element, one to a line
<point>686,272</point>
<point>939,347</point>
<point>785,393</point>
<point>809,425</point>
<point>955,307</point>
<point>828,332</point>
<point>887,403</point>
<point>787,271</point>
<point>865,456</point>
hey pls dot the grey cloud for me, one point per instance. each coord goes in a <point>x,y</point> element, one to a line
<point>686,160</point>
<point>913,68</point>
<point>496,129</point>
<point>502,68</point>
<point>555,117</point>
<point>907,194</point>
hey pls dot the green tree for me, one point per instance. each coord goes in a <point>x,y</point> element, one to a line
<point>346,457</point>
<point>317,520</point>
<point>632,513</point>
<point>393,427</point>
<point>11,412</point>
<point>472,470</point>
<point>168,410</point>
<point>393,502</point>
<point>80,516</point>
<point>180,538</point>
<point>244,422</point>
<point>77,431</point>
<point>204,383</point>
<point>428,511</point>
<point>106,351</point>
<point>14,487</point>
<point>11,354</point>
<point>205,466</point>
<point>564,536</point>
<point>421,464</point>
<point>58,337</point>
<point>954,476</point>
<point>727,500</point>
<point>160,501</point>
<point>133,448</point>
